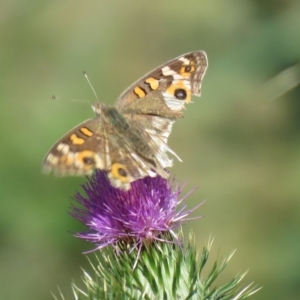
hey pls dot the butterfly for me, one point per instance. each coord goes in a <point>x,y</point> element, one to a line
<point>128,141</point>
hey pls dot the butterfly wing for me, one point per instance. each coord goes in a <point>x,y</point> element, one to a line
<point>165,90</point>
<point>156,100</point>
<point>97,143</point>
<point>77,152</point>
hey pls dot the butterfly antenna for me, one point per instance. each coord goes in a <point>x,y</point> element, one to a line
<point>86,77</point>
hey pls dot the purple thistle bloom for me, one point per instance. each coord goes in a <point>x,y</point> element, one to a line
<point>140,215</point>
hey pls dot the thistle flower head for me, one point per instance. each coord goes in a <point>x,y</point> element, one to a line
<point>140,215</point>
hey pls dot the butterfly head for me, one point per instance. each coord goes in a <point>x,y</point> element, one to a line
<point>98,108</point>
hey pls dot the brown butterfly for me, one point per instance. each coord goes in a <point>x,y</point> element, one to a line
<point>129,140</point>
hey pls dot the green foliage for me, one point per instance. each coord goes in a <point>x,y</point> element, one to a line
<point>162,271</point>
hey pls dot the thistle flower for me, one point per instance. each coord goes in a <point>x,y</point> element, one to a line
<point>145,216</point>
<point>145,213</point>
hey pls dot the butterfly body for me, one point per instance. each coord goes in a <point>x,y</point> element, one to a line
<point>129,140</point>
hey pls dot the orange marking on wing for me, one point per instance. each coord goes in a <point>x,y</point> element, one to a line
<point>86,131</point>
<point>184,73</point>
<point>66,160</point>
<point>87,158</point>
<point>154,83</point>
<point>76,140</point>
<point>180,85</point>
<point>120,172</point>
<point>139,92</point>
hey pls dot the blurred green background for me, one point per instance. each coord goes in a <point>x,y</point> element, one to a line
<point>239,142</point>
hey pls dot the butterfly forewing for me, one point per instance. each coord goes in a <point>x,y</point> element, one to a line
<point>166,89</point>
